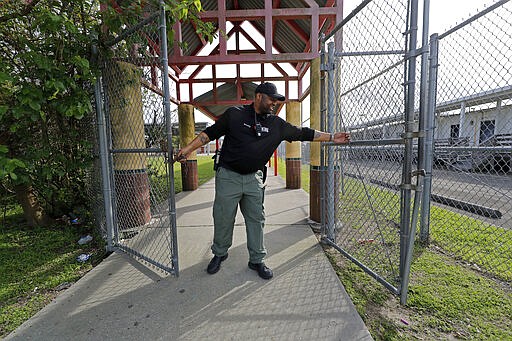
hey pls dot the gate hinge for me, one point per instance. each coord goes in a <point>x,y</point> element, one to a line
<point>327,67</point>
<point>418,172</point>
<point>413,134</point>
<point>416,188</point>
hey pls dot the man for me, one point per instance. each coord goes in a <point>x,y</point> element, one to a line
<point>251,134</point>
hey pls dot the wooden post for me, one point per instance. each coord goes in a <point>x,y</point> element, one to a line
<point>189,176</point>
<point>315,120</point>
<point>126,116</point>
<point>293,149</point>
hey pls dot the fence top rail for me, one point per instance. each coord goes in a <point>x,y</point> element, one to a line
<point>132,29</point>
<point>352,14</point>
<point>476,99</point>
<point>370,53</point>
<point>473,18</point>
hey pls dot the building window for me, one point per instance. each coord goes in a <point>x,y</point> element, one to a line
<point>454,133</point>
<point>486,131</point>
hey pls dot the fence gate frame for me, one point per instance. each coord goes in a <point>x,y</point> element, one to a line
<point>411,179</point>
<point>152,233</point>
<point>418,133</point>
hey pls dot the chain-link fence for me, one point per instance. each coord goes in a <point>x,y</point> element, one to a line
<point>448,174</point>
<point>368,214</point>
<point>134,120</point>
<point>471,215</point>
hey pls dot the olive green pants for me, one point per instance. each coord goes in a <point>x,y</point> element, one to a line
<point>231,190</point>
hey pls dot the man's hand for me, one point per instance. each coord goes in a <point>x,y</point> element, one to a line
<point>180,156</point>
<point>198,141</point>
<point>341,138</point>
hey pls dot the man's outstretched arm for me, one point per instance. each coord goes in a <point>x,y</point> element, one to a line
<point>198,141</point>
<point>338,138</point>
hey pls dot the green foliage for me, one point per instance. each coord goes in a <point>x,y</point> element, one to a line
<point>9,166</point>
<point>44,95</point>
<point>128,13</point>
<point>46,76</point>
<point>189,10</point>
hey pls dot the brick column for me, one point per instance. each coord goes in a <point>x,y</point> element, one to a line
<point>189,177</point>
<point>293,149</point>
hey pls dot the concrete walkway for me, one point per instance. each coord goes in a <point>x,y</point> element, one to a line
<point>121,299</point>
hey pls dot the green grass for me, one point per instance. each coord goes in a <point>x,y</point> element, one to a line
<point>36,262</point>
<point>473,241</point>
<point>157,171</point>
<point>458,300</point>
<point>447,299</point>
<point>304,173</point>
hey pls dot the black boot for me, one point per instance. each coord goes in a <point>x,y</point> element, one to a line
<point>214,265</point>
<point>263,271</point>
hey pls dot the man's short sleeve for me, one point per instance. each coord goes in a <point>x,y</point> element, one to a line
<point>294,133</point>
<point>219,128</point>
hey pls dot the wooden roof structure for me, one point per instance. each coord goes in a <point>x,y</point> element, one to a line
<point>282,34</point>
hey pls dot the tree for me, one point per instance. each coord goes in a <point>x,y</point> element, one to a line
<point>46,77</point>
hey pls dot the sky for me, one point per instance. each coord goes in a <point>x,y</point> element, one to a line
<point>444,14</point>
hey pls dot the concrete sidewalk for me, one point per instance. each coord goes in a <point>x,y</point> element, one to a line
<point>121,299</point>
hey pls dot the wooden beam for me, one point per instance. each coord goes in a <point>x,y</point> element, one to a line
<point>249,58</point>
<point>269,36</point>
<point>222,27</point>
<point>276,13</point>
<point>242,79</point>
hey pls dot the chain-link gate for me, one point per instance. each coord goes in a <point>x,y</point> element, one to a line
<point>134,119</point>
<point>431,142</point>
<point>471,187</point>
<point>370,92</point>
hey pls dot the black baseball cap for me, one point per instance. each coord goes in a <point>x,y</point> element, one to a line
<point>269,89</point>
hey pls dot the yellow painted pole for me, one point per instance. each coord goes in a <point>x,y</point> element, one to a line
<point>315,123</point>
<point>293,149</point>
<point>189,176</point>
<point>127,122</point>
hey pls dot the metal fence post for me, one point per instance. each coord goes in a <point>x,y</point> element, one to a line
<point>423,122</point>
<point>429,138</point>
<point>105,171</point>
<point>323,109</point>
<point>423,117</point>
<point>168,126</point>
<point>406,186</point>
<point>330,156</point>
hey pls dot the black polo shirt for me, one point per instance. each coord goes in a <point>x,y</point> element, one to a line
<point>242,150</point>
